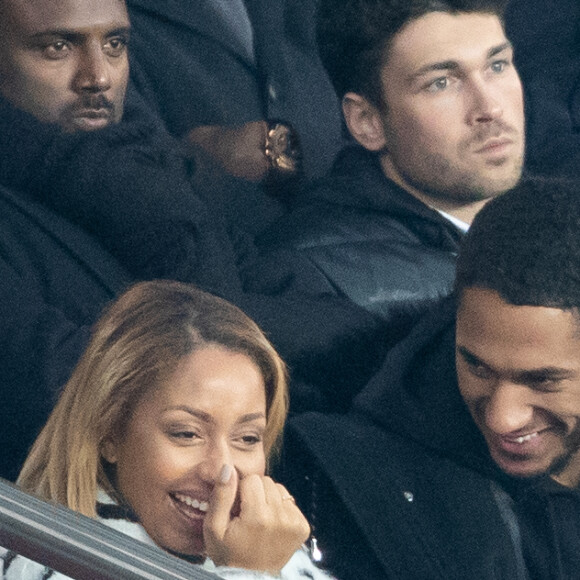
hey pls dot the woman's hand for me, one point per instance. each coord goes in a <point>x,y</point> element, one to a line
<point>265,533</point>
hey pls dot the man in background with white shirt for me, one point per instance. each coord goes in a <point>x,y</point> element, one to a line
<point>431,96</point>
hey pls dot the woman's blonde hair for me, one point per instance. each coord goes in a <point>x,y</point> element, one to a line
<point>135,346</point>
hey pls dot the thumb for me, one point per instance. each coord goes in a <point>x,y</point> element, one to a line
<point>221,502</point>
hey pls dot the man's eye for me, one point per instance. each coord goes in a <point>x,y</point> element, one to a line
<point>116,47</point>
<point>499,66</point>
<point>546,385</point>
<point>57,50</point>
<point>437,85</point>
<point>479,371</point>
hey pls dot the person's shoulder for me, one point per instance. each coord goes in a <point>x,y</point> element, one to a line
<point>314,222</point>
<point>354,203</point>
<point>330,214</point>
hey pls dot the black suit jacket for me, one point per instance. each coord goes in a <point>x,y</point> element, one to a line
<point>54,281</point>
<point>193,71</point>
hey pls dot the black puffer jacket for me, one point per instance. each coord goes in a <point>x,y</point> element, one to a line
<point>371,241</point>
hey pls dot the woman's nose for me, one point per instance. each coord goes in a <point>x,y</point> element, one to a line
<point>217,455</point>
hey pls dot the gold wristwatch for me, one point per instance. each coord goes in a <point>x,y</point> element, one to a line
<point>282,149</point>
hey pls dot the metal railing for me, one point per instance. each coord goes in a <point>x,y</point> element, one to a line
<point>81,547</point>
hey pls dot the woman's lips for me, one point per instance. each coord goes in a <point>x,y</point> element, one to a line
<point>190,506</point>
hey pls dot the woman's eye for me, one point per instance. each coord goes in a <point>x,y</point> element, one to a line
<point>183,434</point>
<point>251,440</point>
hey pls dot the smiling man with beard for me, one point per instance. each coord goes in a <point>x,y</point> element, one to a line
<point>461,458</point>
<point>432,98</point>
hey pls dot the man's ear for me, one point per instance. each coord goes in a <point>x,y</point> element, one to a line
<point>364,121</point>
<point>109,450</point>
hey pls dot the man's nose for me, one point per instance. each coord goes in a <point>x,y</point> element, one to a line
<point>93,74</point>
<point>509,409</point>
<point>485,105</point>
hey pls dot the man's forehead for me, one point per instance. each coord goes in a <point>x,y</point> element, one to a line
<point>38,16</point>
<point>488,324</point>
<point>438,37</point>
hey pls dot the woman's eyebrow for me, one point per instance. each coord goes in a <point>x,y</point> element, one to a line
<point>207,418</point>
<point>251,417</point>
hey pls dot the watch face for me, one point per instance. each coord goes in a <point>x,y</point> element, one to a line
<point>283,148</point>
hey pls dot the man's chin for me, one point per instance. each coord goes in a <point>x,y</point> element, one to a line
<point>522,473</point>
<point>519,467</point>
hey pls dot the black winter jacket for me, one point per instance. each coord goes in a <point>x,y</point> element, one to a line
<point>128,185</point>
<point>371,241</point>
<point>54,281</point>
<point>404,488</point>
<point>546,39</point>
<point>191,68</point>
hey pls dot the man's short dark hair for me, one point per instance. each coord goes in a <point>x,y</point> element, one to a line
<point>525,245</point>
<point>354,36</point>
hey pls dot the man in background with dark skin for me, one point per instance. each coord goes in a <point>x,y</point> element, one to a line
<point>58,72</point>
<point>76,143</point>
<point>75,76</point>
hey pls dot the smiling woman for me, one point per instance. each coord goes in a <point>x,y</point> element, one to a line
<point>165,429</point>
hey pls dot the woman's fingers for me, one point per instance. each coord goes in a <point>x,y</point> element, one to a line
<point>273,507</point>
<point>218,517</point>
<point>265,534</point>
<point>285,495</point>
